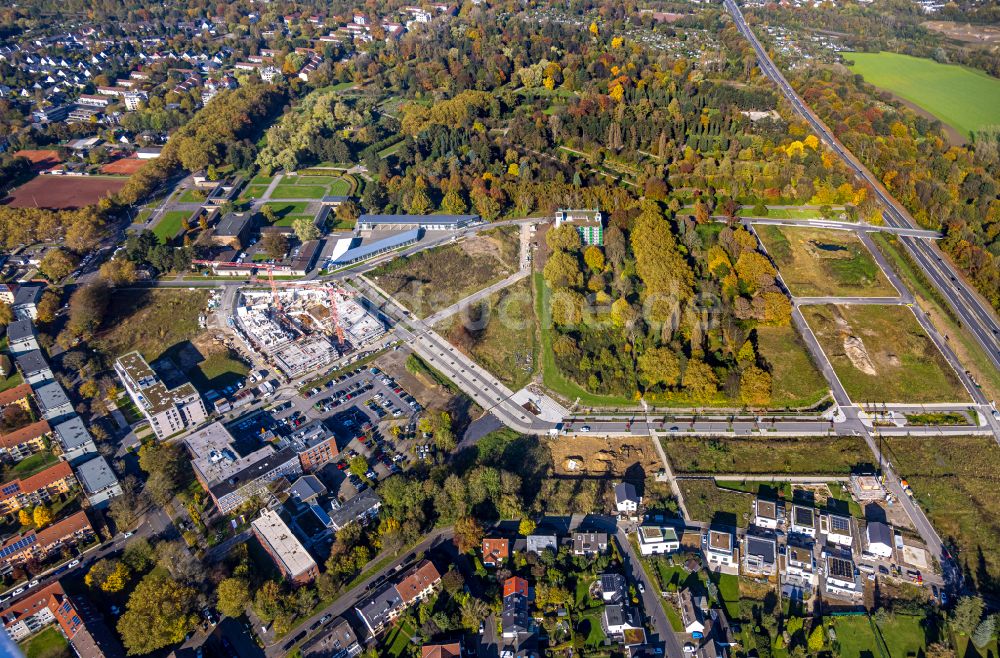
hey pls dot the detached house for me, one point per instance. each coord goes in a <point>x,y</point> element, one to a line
<point>496,551</point>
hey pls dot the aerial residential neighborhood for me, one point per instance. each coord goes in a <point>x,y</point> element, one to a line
<point>500,329</point>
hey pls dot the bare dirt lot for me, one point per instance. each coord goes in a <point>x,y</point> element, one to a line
<point>40,159</point>
<point>591,455</point>
<point>123,167</point>
<point>965,32</point>
<point>59,192</point>
<point>430,394</point>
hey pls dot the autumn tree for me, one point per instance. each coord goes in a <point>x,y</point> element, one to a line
<point>118,272</point>
<point>275,244</point>
<point>42,516</point>
<point>594,258</point>
<point>233,596</point>
<point>565,237</point>
<point>87,306</point>
<point>305,229</point>
<point>659,365</point>
<point>6,314</point>
<point>755,387</point>
<point>562,271</point>
<point>159,612</point>
<point>699,381</point>
<point>469,534</point>
<point>57,264</point>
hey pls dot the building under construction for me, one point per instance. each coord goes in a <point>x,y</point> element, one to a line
<point>304,327</point>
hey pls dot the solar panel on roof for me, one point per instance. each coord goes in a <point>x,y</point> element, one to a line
<point>841,569</point>
<point>840,524</point>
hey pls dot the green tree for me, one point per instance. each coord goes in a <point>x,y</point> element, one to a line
<point>565,237</point>
<point>562,271</point>
<point>984,632</point>
<point>659,365</point>
<point>359,466</point>
<point>816,637</point>
<point>699,381</point>
<point>469,534</point>
<point>305,229</point>
<point>755,387</point>
<point>967,613</point>
<point>420,204</point>
<point>160,612</point>
<point>234,596</point>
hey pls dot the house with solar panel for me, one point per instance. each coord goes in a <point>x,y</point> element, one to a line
<point>839,529</point>
<point>803,521</point>
<point>841,577</point>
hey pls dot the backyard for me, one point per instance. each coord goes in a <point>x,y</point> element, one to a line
<point>709,503</point>
<point>47,643</point>
<point>824,263</point>
<point>904,635</point>
<point>882,354</point>
<point>170,224</point>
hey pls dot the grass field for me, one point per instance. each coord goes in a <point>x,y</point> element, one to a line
<point>796,381</point>
<point>150,321</point>
<point>286,208</point>
<point>966,347</point>
<point>311,187</point>
<point>499,334</point>
<point>789,213</point>
<point>283,191</point>
<point>963,98</point>
<point>895,360</point>
<point>170,224</point>
<point>436,278</point>
<point>191,195</point>
<point>47,643</point>
<point>806,456</point>
<point>29,465</point>
<point>15,379</point>
<point>956,481</point>
<point>904,636</point>
<point>824,263</point>
<point>708,503</point>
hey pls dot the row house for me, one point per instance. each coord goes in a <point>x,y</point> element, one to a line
<point>26,441</point>
<point>40,544</point>
<point>35,489</point>
<point>386,604</point>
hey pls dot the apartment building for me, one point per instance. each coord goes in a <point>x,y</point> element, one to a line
<point>40,544</point>
<point>168,410</point>
<point>285,549</point>
<point>25,441</point>
<point>35,489</point>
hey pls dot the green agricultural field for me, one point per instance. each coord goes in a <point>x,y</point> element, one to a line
<point>882,354</point>
<point>834,455</point>
<point>796,382</point>
<point>963,98</point>
<point>956,482</point>
<point>170,224</point>
<point>824,263</point>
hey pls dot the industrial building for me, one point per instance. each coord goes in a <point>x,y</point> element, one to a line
<point>168,410</point>
<point>355,250</point>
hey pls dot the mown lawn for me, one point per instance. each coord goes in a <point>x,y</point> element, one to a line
<point>47,643</point>
<point>284,209</point>
<point>964,98</point>
<point>29,465</point>
<point>170,224</point>
<point>708,503</point>
<point>298,191</point>
<point>904,636</point>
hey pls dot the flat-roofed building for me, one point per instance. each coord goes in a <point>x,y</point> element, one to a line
<point>800,564</point>
<point>840,530</point>
<point>315,445</point>
<point>285,549</point>
<point>74,440</point>
<point>99,482</point>
<point>37,488</point>
<point>657,540</point>
<point>768,513</point>
<point>760,555</point>
<point>720,548</point>
<point>840,576</point>
<point>230,477</point>
<point>53,403</point>
<point>298,357</point>
<point>803,521</point>
<point>21,337</point>
<point>168,410</point>
<point>410,222</point>
<point>588,223</point>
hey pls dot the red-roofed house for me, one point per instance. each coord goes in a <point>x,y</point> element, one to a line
<point>515,585</point>
<point>37,488</point>
<point>40,544</point>
<point>453,650</point>
<point>496,550</point>
<point>26,441</point>
<point>418,583</point>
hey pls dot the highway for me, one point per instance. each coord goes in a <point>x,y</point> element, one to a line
<point>974,312</point>
<point>969,307</point>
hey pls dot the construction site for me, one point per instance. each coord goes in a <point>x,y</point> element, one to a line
<point>302,327</point>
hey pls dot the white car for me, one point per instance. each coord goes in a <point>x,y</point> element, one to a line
<point>33,583</point>
<point>73,564</point>
<point>128,534</point>
<point>689,648</point>
<point>585,428</point>
<point>18,592</point>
